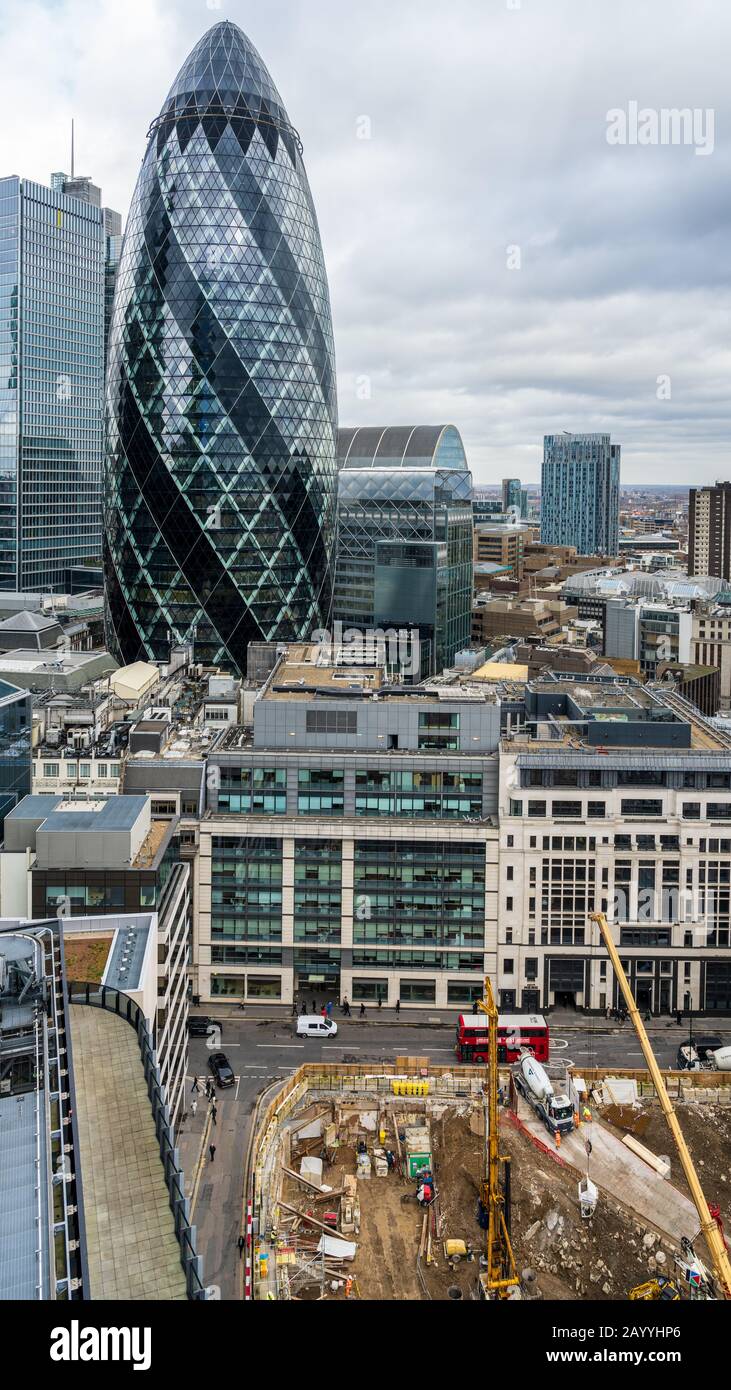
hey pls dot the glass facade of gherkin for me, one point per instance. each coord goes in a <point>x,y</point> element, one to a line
<point>221,410</point>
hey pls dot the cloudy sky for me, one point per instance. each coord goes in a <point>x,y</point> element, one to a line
<point>493,260</point>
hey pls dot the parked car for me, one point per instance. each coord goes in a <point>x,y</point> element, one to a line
<point>199,1025</point>
<point>223,1073</point>
<point>693,1053</point>
<point>314,1026</point>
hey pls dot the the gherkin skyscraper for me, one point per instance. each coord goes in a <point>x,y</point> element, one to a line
<point>221,410</point>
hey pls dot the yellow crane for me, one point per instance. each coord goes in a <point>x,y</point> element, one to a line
<point>714,1239</point>
<point>501,1272</point>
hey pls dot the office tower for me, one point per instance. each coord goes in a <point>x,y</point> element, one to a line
<point>80,186</point>
<point>404,552</point>
<point>51,384</point>
<point>580,493</point>
<point>512,494</point>
<point>709,531</point>
<point>220,470</point>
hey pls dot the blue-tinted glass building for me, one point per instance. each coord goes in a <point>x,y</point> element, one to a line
<point>51,384</point>
<point>580,493</point>
<point>221,408</point>
<point>15,755</point>
<point>404,550</point>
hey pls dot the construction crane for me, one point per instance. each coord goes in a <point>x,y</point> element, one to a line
<point>501,1273</point>
<point>709,1228</point>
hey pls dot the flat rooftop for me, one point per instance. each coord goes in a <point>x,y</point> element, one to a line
<point>132,1249</point>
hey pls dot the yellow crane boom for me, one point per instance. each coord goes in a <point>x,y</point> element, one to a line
<point>501,1271</point>
<point>713,1237</point>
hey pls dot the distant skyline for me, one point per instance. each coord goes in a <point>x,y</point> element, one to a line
<point>494,259</point>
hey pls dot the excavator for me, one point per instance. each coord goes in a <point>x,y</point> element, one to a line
<point>708,1225</point>
<point>501,1275</point>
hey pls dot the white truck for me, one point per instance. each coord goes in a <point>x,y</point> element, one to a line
<point>535,1086</point>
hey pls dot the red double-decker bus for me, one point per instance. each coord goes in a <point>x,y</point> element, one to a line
<point>514,1031</point>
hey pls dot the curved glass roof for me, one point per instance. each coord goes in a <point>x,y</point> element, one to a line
<point>225,77</point>
<point>401,446</point>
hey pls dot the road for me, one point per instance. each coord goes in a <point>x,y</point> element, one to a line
<point>261,1051</point>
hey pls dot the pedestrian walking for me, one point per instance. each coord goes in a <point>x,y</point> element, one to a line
<point>346,1007</point>
<point>323,1011</point>
<point>241,1242</point>
<point>214,1113</point>
<point>304,1010</point>
<point>195,1086</point>
<point>398,1006</point>
<point>329,1008</point>
<point>294,1008</point>
<point>313,1010</point>
<point>380,1002</point>
<point>212,1151</point>
<point>194,1108</point>
<point>362,1011</point>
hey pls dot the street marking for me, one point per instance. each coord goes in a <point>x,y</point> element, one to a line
<point>561,1043</point>
<point>283,1047</point>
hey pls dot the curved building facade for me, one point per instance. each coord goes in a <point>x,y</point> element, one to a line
<point>221,409</point>
<point>404,550</point>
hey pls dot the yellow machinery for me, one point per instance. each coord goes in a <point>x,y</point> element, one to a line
<point>714,1239</point>
<point>501,1273</point>
<point>660,1289</point>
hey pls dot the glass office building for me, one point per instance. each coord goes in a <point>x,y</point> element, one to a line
<point>221,407</point>
<point>404,550</point>
<point>51,384</point>
<point>580,493</point>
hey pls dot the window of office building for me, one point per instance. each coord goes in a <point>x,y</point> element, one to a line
<point>317,895</point>
<point>320,791</point>
<point>246,888</point>
<point>253,791</point>
<point>419,893</point>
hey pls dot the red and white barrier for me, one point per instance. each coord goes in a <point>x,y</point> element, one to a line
<point>248,1278</point>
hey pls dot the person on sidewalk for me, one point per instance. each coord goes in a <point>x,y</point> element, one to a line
<point>329,1008</point>
<point>295,1010</point>
<point>194,1108</point>
<point>380,1002</point>
<point>346,1007</point>
<point>241,1243</point>
<point>212,1151</point>
<point>214,1113</point>
<point>195,1086</point>
<point>398,1007</point>
<point>362,1011</point>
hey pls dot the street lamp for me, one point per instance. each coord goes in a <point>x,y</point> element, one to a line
<point>688,1009</point>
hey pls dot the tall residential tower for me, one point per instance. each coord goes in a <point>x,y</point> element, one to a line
<point>580,493</point>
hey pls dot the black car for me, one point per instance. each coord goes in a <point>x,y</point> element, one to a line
<point>199,1025</point>
<point>222,1070</point>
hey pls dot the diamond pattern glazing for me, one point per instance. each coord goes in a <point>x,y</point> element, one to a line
<point>221,409</point>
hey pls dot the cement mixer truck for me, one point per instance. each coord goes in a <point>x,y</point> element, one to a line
<point>534,1085</point>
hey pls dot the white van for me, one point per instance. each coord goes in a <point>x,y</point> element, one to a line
<point>314,1026</point>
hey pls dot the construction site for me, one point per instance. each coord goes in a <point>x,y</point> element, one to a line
<point>420,1182</point>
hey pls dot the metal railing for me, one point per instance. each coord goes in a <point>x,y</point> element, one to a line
<point>116,1002</point>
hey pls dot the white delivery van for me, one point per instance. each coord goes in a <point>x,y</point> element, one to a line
<point>314,1026</point>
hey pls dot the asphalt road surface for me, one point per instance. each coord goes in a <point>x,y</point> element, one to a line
<point>259,1052</point>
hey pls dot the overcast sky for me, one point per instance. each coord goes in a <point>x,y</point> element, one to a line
<point>488,125</point>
